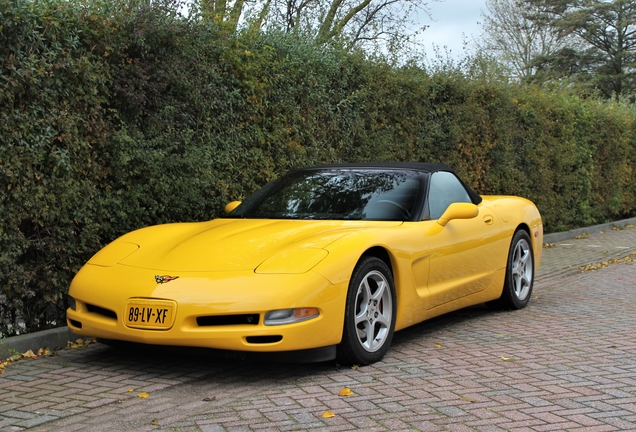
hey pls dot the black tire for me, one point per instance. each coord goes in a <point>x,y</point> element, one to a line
<point>519,281</point>
<point>369,315</point>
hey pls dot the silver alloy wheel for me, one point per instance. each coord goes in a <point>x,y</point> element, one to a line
<point>373,311</point>
<point>522,269</point>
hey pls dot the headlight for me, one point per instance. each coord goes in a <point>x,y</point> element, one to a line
<point>295,261</point>
<point>290,316</point>
<point>113,253</point>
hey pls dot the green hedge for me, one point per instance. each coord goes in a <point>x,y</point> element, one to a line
<point>115,118</point>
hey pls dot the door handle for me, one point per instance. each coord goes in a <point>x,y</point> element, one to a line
<point>489,220</point>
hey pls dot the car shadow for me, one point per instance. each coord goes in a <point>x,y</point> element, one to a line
<point>245,368</point>
<point>434,325</point>
<point>237,367</point>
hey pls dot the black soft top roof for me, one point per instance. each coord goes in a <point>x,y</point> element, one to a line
<point>416,166</point>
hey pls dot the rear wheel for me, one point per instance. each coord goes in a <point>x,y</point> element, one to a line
<point>369,315</point>
<point>519,274</point>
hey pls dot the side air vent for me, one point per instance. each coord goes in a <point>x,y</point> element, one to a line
<point>225,320</point>
<point>101,311</point>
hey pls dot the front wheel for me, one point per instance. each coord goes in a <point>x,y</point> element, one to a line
<point>369,315</point>
<point>519,274</point>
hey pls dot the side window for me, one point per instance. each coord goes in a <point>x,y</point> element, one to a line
<point>445,189</point>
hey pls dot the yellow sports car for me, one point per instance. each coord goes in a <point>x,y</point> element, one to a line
<point>325,262</point>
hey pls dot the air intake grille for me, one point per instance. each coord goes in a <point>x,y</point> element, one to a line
<point>225,320</point>
<point>263,339</point>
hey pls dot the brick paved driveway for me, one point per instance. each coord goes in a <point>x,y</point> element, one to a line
<point>566,362</point>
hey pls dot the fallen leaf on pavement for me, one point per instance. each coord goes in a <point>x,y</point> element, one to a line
<point>44,352</point>
<point>345,392</point>
<point>5,363</point>
<point>209,399</point>
<point>29,354</point>
<point>80,343</point>
<point>328,414</point>
<point>154,422</point>
<point>597,266</point>
<point>143,395</point>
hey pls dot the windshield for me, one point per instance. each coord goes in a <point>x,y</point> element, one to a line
<point>335,194</point>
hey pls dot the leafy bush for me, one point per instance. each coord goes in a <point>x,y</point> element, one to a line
<point>53,95</point>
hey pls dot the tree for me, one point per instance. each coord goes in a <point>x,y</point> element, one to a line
<point>354,22</point>
<point>223,12</point>
<point>516,36</point>
<point>607,32</point>
<point>365,21</point>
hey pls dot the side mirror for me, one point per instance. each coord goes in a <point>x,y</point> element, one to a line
<point>231,206</point>
<point>458,211</point>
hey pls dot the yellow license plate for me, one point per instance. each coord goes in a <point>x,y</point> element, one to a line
<point>150,314</point>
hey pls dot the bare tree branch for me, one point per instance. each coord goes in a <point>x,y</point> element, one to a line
<point>352,22</point>
<point>514,38</point>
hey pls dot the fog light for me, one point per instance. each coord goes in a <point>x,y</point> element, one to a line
<point>290,316</point>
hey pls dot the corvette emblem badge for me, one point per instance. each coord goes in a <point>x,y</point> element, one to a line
<point>165,278</point>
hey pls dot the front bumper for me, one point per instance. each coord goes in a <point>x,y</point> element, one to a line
<point>101,295</point>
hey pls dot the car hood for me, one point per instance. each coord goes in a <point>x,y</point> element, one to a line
<point>229,244</point>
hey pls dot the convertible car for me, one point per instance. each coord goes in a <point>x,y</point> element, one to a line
<point>325,262</point>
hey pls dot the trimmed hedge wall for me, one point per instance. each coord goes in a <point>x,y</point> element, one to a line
<point>115,118</point>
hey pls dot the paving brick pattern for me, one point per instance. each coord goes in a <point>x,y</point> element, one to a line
<point>567,362</point>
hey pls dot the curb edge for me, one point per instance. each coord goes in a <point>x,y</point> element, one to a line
<point>52,339</point>
<point>594,229</point>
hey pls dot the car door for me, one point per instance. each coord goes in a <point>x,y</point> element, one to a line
<point>465,253</point>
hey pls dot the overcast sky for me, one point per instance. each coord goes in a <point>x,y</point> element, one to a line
<point>452,21</point>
